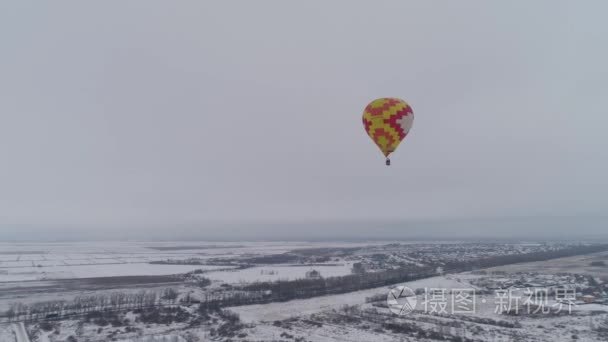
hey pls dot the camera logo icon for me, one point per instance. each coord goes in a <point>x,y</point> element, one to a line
<point>401,300</point>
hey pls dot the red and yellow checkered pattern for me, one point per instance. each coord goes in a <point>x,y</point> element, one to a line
<point>387,121</point>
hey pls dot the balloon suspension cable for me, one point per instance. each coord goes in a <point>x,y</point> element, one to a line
<point>388,162</point>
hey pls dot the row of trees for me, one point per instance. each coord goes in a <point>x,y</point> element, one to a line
<point>306,288</point>
<point>264,292</point>
<point>501,260</point>
<point>84,304</point>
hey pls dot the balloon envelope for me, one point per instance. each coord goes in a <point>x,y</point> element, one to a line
<point>387,121</point>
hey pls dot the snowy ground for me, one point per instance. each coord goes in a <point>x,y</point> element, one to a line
<point>164,338</point>
<point>278,272</point>
<point>582,322</point>
<point>284,310</point>
<point>7,333</point>
<point>97,270</point>
<point>27,261</point>
<point>20,332</point>
<point>580,264</point>
<point>41,272</point>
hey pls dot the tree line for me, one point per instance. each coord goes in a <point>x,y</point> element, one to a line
<point>285,290</point>
<point>85,304</point>
<point>281,290</point>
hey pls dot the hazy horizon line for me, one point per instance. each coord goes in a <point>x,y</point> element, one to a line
<point>545,228</point>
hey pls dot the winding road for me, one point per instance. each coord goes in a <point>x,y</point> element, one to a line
<point>20,332</point>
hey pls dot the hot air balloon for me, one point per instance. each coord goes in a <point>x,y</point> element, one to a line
<point>387,121</point>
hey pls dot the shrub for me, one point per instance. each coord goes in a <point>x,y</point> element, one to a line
<point>163,315</point>
<point>46,326</point>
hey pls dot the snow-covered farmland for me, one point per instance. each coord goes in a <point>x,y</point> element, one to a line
<point>86,282</point>
<point>279,272</point>
<point>582,264</point>
<point>40,261</point>
<point>95,270</point>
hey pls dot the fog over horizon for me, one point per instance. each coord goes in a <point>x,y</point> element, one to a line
<point>560,229</point>
<point>227,121</point>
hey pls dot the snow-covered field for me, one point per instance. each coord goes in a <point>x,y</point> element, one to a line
<point>37,261</point>
<point>577,264</point>
<point>581,323</point>
<point>280,272</point>
<point>97,270</point>
<point>38,273</point>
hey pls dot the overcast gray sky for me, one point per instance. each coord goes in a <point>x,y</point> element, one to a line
<point>135,113</point>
